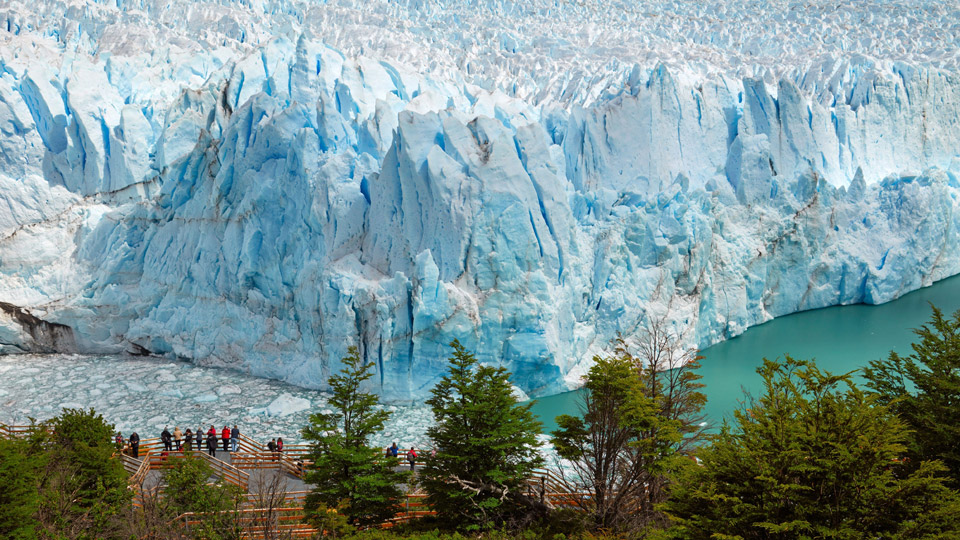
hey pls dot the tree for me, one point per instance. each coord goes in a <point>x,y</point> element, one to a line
<point>348,473</point>
<point>188,489</point>
<point>83,489</point>
<point>20,472</point>
<point>486,445</point>
<point>813,457</point>
<point>924,389</point>
<point>639,420</point>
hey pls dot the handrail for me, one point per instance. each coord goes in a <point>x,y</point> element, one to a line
<point>228,472</point>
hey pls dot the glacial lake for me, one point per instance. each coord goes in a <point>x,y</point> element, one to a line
<point>840,339</point>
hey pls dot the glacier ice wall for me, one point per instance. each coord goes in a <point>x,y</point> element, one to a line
<point>265,201</point>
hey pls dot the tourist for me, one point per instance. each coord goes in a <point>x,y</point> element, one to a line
<point>199,439</point>
<point>234,438</point>
<point>165,438</point>
<point>189,437</point>
<point>118,440</point>
<point>412,458</point>
<point>394,450</point>
<point>272,447</point>
<point>212,442</point>
<point>225,435</point>
<point>178,438</point>
<point>279,444</point>
<point>135,445</point>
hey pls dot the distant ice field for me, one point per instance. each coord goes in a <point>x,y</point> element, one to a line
<point>144,395</point>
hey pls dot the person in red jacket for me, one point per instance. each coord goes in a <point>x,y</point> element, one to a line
<point>226,438</point>
<point>412,458</point>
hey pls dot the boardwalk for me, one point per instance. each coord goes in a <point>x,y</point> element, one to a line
<point>276,479</point>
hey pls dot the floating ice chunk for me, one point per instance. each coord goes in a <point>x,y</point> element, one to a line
<point>228,389</point>
<point>206,398</point>
<point>287,404</point>
<point>165,376</point>
<point>172,392</point>
<point>135,386</point>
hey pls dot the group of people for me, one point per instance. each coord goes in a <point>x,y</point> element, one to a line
<point>229,437</point>
<point>194,440</point>
<point>394,451</point>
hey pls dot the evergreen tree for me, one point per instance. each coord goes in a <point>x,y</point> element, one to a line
<point>83,489</point>
<point>813,457</point>
<point>348,473</point>
<point>20,472</point>
<point>640,417</point>
<point>486,445</point>
<point>924,389</point>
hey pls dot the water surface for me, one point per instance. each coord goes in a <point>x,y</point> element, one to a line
<point>840,339</point>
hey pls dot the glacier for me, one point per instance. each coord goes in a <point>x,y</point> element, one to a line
<point>261,185</point>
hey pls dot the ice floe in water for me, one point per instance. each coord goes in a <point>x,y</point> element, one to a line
<point>146,394</point>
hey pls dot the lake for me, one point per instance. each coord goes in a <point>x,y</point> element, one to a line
<point>840,339</point>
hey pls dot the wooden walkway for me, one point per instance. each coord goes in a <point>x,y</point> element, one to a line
<point>279,477</point>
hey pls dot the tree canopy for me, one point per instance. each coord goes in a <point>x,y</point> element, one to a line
<point>924,390</point>
<point>347,472</point>
<point>814,456</point>
<point>486,445</point>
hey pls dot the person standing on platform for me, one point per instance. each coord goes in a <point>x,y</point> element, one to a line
<point>212,444</point>
<point>225,435</point>
<point>189,439</point>
<point>412,458</point>
<point>135,445</point>
<point>178,438</point>
<point>234,438</point>
<point>166,439</point>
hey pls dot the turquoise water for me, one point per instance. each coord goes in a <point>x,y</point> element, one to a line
<point>841,339</point>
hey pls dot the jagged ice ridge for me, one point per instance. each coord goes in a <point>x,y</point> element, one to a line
<point>261,185</point>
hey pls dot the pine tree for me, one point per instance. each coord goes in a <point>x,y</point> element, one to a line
<point>924,389</point>
<point>486,445</point>
<point>347,472</point>
<point>813,457</point>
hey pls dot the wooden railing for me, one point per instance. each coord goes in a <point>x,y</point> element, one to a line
<point>11,432</point>
<point>227,472</point>
<point>258,522</point>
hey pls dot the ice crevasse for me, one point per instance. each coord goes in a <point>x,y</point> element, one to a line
<point>266,208</point>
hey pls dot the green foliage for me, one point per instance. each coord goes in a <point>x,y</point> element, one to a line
<point>332,521</point>
<point>20,473</point>
<point>639,421</point>
<point>348,473</point>
<point>189,489</point>
<point>813,457</point>
<point>924,390</point>
<point>83,489</point>
<point>486,445</point>
<point>408,533</point>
